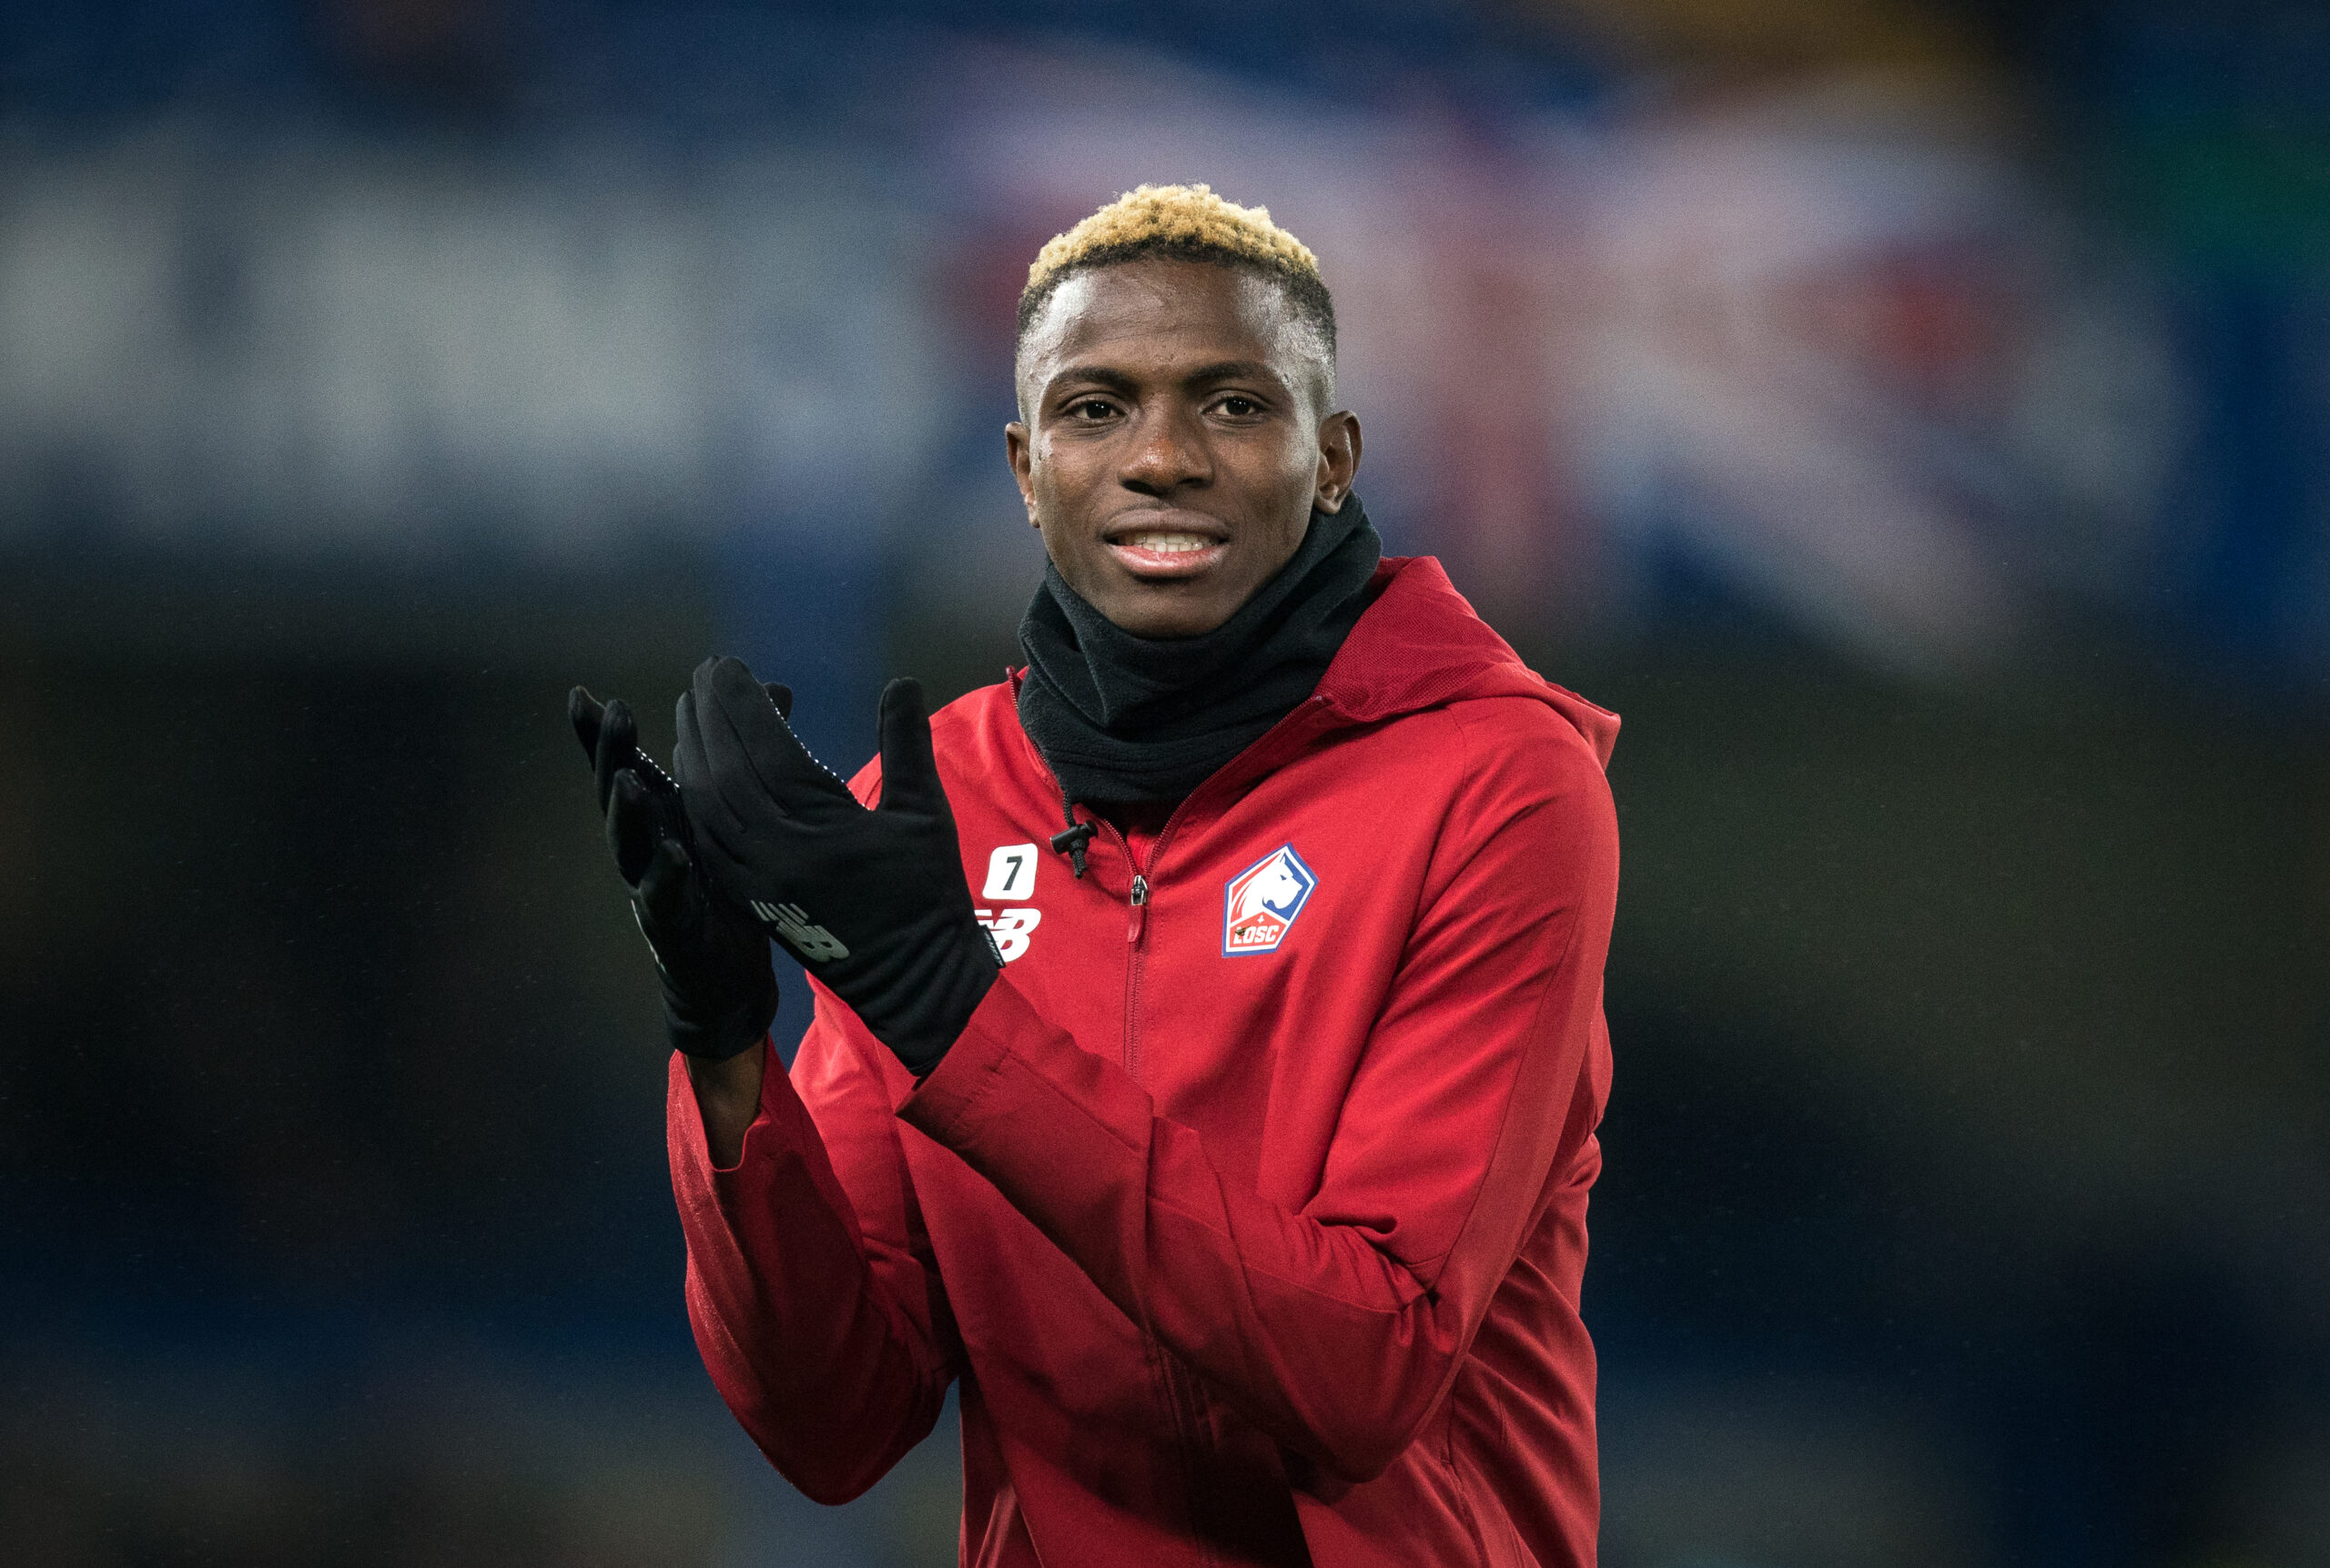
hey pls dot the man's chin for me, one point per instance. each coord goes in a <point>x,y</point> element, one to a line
<point>1164,609</point>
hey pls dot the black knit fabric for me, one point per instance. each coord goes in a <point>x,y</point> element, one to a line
<point>1125,719</point>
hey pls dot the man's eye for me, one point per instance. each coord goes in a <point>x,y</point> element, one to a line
<point>1092,409</point>
<point>1239,408</point>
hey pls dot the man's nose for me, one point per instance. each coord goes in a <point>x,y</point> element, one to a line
<point>1168,450</point>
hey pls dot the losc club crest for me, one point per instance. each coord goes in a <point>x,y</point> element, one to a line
<point>1260,902</point>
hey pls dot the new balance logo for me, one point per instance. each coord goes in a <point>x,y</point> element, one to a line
<point>1008,929</point>
<point>810,943</point>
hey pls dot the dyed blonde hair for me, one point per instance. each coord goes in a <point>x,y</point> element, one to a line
<point>1188,223</point>
<point>1173,218</point>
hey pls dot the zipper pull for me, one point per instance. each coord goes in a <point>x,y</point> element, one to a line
<point>1140,907</point>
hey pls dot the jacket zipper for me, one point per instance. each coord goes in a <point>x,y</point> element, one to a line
<point>1136,928</point>
<point>1170,1381</point>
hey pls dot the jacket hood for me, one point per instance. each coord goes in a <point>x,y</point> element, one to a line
<point>1421,645</point>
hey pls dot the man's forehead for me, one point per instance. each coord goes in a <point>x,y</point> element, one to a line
<point>1163,310</point>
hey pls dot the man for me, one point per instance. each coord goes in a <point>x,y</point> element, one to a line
<point>1208,1045</point>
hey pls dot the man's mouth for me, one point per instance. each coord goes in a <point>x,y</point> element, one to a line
<point>1161,554</point>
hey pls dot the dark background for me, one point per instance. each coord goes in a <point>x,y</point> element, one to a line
<point>1912,417</point>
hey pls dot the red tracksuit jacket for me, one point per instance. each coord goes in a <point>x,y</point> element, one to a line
<point>1249,1210</point>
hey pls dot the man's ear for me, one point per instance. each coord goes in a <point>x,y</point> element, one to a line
<point>1339,447</point>
<point>1021,456</point>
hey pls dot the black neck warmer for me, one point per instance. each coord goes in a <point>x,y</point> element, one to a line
<point>1125,719</point>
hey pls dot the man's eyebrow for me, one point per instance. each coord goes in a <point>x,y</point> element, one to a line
<point>1095,375</point>
<point>1232,371</point>
<point>1116,381</point>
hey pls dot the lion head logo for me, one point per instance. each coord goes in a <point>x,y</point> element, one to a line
<point>1260,903</point>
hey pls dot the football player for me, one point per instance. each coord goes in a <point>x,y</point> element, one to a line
<point>1208,1045</point>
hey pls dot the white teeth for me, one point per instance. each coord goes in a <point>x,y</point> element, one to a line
<point>1168,543</point>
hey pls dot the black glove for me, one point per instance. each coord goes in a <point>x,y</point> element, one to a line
<point>719,987</point>
<point>873,903</point>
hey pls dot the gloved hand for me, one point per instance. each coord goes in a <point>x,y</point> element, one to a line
<point>719,985</point>
<point>873,903</point>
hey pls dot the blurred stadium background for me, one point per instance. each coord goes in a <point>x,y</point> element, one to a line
<point>1912,415</point>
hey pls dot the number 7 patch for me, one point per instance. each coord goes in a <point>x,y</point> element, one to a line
<point>1010,871</point>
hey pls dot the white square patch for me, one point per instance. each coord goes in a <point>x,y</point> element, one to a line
<point>1011,874</point>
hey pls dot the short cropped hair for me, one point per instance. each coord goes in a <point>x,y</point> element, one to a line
<point>1189,223</point>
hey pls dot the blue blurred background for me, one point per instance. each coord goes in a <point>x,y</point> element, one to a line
<point>1913,415</point>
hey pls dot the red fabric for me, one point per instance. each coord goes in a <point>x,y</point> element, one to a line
<point>1263,1258</point>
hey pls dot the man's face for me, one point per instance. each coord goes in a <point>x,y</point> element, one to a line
<point>1173,447</point>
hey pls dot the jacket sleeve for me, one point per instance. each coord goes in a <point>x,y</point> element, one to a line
<point>1337,1326</point>
<point>815,1301</point>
